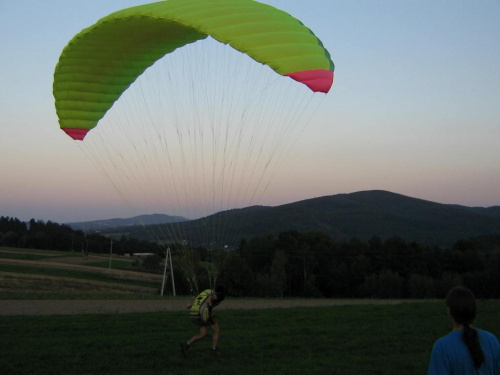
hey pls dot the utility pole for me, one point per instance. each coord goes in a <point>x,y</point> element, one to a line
<point>168,258</point>
<point>110,252</point>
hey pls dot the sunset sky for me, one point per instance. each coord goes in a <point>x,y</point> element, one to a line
<point>414,109</point>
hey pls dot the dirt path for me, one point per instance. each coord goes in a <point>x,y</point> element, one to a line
<point>69,307</point>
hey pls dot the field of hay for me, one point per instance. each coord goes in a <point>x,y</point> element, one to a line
<point>41,274</point>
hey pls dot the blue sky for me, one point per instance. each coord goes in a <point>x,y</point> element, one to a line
<point>414,108</point>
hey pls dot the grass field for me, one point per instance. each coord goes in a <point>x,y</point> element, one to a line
<point>42,274</point>
<point>368,339</point>
<point>355,339</point>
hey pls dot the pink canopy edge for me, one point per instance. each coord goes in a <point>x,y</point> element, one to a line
<point>76,134</point>
<point>319,80</point>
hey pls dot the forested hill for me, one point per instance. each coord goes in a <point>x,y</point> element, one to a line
<point>363,215</point>
<point>384,214</point>
<point>98,225</point>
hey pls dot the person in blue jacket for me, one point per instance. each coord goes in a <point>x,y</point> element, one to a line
<point>465,350</point>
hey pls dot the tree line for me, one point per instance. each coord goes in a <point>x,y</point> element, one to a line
<point>295,264</point>
<point>314,265</point>
<point>38,234</point>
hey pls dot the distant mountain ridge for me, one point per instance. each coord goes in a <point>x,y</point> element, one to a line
<point>359,215</point>
<point>380,213</point>
<point>491,211</point>
<point>99,225</point>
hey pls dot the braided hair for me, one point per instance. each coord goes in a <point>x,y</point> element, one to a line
<point>462,305</point>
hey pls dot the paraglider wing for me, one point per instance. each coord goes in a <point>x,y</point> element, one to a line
<point>102,61</point>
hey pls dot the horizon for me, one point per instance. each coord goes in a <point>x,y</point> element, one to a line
<point>239,208</point>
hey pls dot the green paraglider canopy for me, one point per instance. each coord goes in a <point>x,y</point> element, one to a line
<point>102,61</point>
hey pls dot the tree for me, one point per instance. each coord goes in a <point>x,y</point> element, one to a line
<point>447,281</point>
<point>278,272</point>
<point>258,253</point>
<point>492,275</point>
<point>237,276</point>
<point>361,266</point>
<point>388,284</point>
<point>10,238</point>
<point>152,262</point>
<point>421,286</point>
<point>339,280</point>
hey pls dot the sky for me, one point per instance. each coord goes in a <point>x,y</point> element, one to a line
<point>414,108</point>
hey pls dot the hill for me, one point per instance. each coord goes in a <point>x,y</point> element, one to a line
<point>491,211</point>
<point>344,216</point>
<point>100,225</point>
<point>384,214</point>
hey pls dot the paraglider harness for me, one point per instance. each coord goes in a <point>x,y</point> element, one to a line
<point>201,310</point>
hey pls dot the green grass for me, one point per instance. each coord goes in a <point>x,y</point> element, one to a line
<point>39,251</point>
<point>77,274</point>
<point>42,274</point>
<point>24,256</point>
<point>369,339</point>
<point>33,254</point>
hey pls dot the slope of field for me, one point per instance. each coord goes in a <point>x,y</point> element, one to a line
<point>33,274</point>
